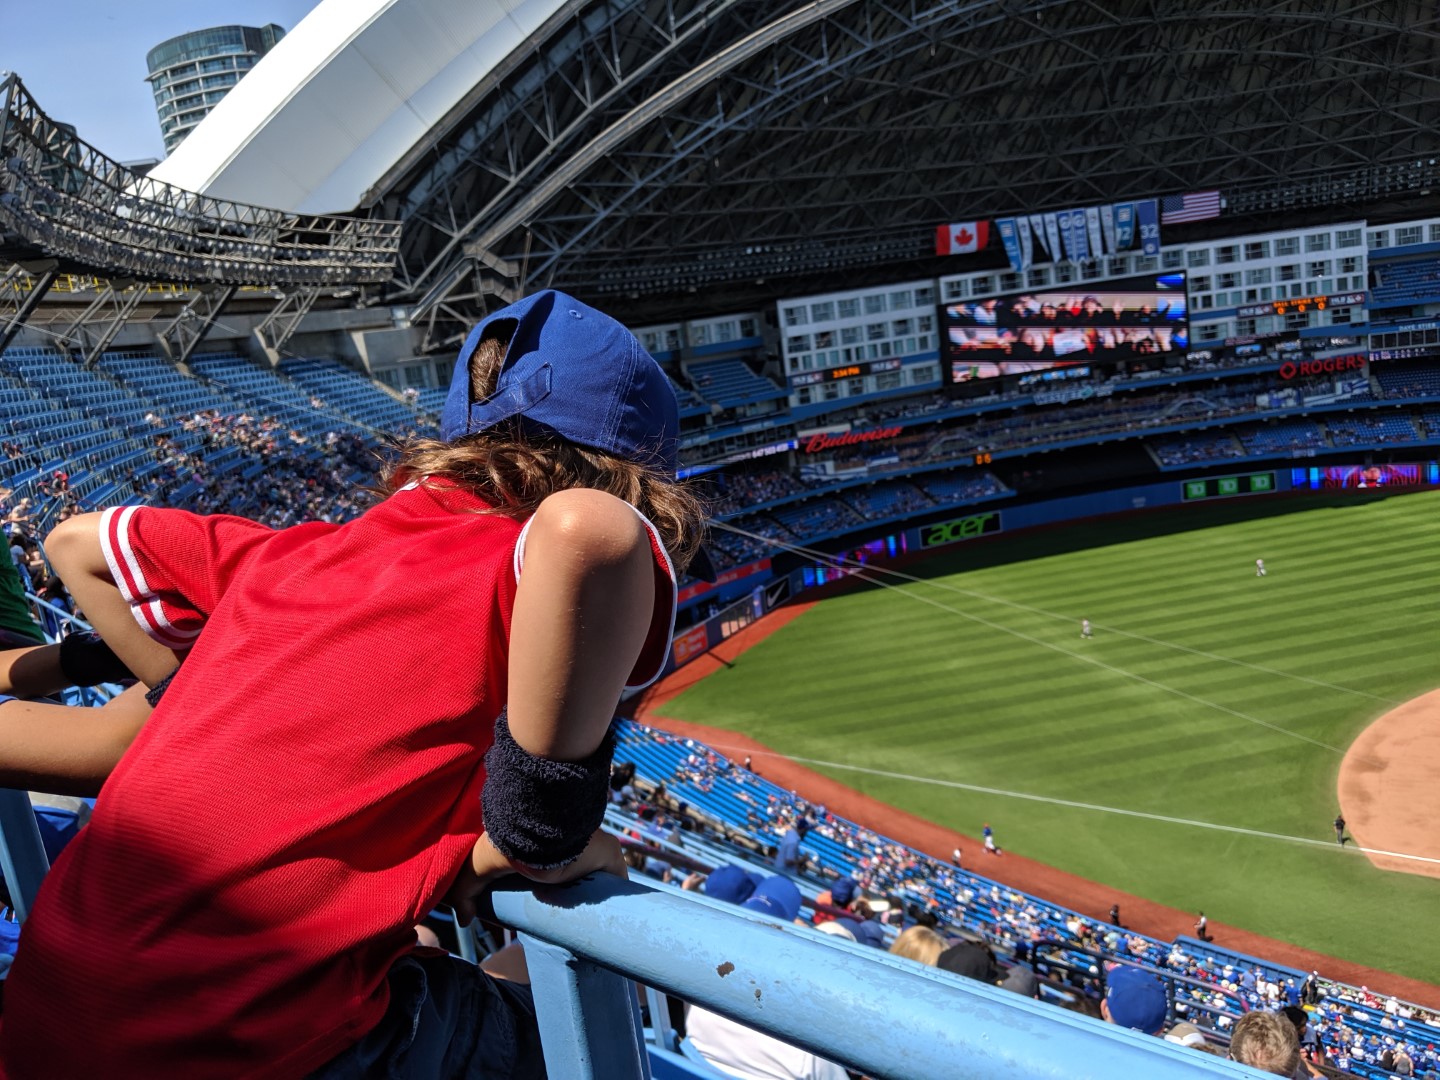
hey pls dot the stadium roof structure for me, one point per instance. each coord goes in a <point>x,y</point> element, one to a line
<point>638,148</point>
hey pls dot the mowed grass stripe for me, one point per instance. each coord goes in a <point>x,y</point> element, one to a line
<point>882,679</point>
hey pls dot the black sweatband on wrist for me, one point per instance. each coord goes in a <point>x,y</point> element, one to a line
<point>156,692</point>
<point>540,812</point>
<point>86,660</point>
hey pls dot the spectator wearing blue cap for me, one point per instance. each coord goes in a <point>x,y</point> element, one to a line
<point>730,884</point>
<point>1134,999</point>
<point>841,894</point>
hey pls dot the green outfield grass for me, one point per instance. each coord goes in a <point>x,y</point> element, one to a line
<point>944,681</point>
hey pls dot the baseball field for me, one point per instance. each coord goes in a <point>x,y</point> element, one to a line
<point>1187,753</point>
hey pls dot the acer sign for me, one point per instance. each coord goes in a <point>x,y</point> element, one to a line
<point>831,440</point>
<point>1333,365</point>
<point>966,528</point>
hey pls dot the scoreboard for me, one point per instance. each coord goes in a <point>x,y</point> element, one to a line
<point>1225,487</point>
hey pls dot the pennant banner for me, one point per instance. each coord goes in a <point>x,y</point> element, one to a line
<point>1107,227</point>
<point>1052,234</point>
<point>1067,234</point>
<point>1037,226</point>
<point>1010,238</point>
<point>1077,226</point>
<point>1027,243</point>
<point>1092,231</point>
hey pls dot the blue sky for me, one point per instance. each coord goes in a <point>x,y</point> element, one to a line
<point>84,60</point>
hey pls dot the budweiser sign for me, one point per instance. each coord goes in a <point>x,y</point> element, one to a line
<point>830,440</point>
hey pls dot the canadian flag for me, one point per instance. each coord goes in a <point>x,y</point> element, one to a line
<point>962,237</point>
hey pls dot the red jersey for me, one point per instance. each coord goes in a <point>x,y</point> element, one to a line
<point>305,793</point>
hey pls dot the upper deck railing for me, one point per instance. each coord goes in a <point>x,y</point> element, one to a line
<point>879,1015</point>
<point>64,199</point>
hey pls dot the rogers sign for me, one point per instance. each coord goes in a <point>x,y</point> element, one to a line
<point>1331,366</point>
<point>826,440</point>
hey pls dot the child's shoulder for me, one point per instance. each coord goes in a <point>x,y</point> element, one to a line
<point>590,525</point>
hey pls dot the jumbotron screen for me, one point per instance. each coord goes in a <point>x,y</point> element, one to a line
<point>1033,331</point>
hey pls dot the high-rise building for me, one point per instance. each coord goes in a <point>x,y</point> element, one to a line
<point>189,74</point>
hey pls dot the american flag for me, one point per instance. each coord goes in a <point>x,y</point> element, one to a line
<point>1197,206</point>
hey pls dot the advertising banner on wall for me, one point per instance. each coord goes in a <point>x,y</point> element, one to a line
<point>957,529</point>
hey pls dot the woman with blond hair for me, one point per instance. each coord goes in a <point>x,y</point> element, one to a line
<point>920,943</point>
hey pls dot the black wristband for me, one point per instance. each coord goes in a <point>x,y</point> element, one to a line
<point>156,692</point>
<point>86,660</point>
<point>540,812</point>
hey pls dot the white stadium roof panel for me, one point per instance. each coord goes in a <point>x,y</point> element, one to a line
<point>344,96</point>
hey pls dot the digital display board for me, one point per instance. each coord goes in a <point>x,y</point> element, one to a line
<point>1366,477</point>
<point>848,371</point>
<point>1035,331</point>
<point>1226,487</point>
<point>851,562</point>
<point>1301,304</point>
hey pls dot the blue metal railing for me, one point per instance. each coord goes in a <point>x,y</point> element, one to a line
<point>873,1013</point>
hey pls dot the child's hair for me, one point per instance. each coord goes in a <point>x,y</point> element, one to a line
<point>514,466</point>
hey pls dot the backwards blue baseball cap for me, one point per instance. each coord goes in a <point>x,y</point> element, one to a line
<point>576,372</point>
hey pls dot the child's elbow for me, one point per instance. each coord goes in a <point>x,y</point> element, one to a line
<point>74,544</point>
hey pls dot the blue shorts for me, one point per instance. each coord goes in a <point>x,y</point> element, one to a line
<point>447,1020</point>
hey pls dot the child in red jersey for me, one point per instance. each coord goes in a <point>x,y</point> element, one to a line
<point>378,716</point>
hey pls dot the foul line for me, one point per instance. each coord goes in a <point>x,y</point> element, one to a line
<point>1074,805</point>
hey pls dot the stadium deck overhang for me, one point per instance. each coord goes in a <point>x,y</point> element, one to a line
<point>639,150</point>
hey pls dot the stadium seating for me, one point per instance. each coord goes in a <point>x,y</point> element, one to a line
<point>1407,381</point>
<point>879,502</point>
<point>1370,430</point>
<point>962,487</point>
<point>352,395</point>
<point>731,383</point>
<point>1280,438</point>
<point>1405,282</point>
<point>691,404</point>
<point>1201,446</point>
<point>818,517</point>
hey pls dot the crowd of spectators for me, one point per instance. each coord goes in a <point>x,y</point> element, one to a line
<point>1065,956</point>
<point>737,491</point>
<point>299,479</point>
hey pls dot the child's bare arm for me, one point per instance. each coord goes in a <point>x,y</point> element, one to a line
<point>65,750</point>
<point>582,611</point>
<point>31,672</point>
<point>584,606</point>
<point>74,550</point>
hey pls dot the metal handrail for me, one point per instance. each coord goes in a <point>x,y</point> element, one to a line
<point>870,1013</point>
